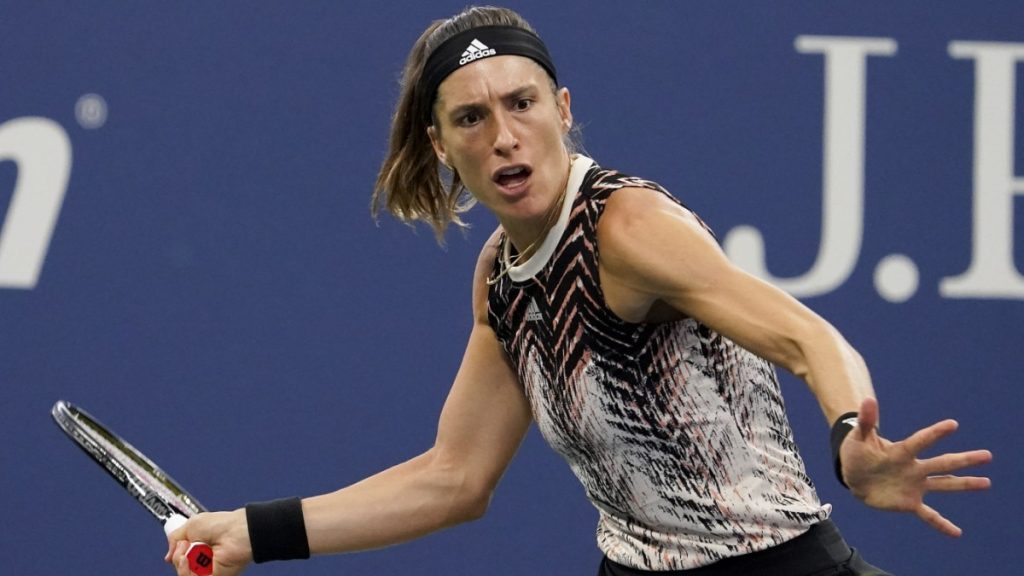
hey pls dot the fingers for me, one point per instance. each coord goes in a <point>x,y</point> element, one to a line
<point>182,564</point>
<point>177,548</point>
<point>926,437</point>
<point>955,461</point>
<point>937,521</point>
<point>867,418</point>
<point>173,539</point>
<point>178,559</point>
<point>956,483</point>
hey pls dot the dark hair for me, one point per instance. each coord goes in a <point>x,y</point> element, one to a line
<point>411,182</point>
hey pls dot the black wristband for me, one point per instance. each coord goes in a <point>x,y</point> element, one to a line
<point>846,423</point>
<point>277,530</point>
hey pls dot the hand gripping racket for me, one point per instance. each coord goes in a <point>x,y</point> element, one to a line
<point>147,483</point>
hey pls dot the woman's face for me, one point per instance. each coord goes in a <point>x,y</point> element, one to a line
<point>501,126</point>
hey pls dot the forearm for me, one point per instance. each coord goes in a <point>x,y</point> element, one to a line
<point>833,370</point>
<point>413,499</point>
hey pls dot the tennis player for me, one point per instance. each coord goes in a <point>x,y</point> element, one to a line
<point>606,313</point>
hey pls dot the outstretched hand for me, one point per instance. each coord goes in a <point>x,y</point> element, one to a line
<point>890,476</point>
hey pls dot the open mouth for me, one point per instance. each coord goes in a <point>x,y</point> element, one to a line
<point>512,176</point>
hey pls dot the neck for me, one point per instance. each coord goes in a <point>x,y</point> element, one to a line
<point>528,236</point>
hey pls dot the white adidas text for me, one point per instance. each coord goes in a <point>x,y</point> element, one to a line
<point>475,51</point>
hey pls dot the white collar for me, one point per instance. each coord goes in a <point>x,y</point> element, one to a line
<point>526,270</point>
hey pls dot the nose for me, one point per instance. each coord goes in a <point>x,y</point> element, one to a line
<point>505,140</point>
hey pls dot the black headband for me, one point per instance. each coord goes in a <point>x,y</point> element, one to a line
<point>475,44</point>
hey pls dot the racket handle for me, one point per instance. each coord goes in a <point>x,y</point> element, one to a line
<point>200,559</point>
<point>199,554</point>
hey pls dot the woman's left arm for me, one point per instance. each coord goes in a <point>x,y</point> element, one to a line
<point>655,253</point>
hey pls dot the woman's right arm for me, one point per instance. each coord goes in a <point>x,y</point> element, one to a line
<point>481,426</point>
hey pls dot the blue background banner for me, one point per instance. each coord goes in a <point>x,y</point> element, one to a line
<point>187,251</point>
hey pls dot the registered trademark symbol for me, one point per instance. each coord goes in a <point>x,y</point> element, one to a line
<point>91,111</point>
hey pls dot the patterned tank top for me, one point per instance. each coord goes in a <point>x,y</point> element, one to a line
<point>678,435</point>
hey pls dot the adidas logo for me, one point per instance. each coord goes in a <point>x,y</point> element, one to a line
<point>533,312</point>
<point>475,51</point>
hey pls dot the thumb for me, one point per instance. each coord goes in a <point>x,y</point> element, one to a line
<point>867,418</point>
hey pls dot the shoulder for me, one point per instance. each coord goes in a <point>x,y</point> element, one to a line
<point>634,212</point>
<point>607,179</point>
<point>644,230</point>
<point>484,270</point>
<point>488,253</point>
<point>629,197</point>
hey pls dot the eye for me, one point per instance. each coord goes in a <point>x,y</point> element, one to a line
<point>469,119</point>
<point>523,104</point>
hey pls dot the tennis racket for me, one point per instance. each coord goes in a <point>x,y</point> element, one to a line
<point>159,493</point>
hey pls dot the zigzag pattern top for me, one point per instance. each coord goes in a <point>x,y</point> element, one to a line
<point>678,435</point>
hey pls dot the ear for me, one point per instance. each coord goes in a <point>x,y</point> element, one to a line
<point>564,103</point>
<point>438,145</point>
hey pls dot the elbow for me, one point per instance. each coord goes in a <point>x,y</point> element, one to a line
<point>474,506</point>
<point>467,497</point>
<point>472,494</point>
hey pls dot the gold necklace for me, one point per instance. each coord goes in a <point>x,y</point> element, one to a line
<point>556,208</point>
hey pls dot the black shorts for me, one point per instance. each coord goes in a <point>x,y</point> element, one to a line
<point>821,551</point>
